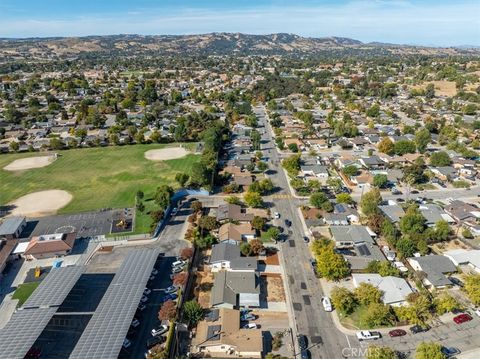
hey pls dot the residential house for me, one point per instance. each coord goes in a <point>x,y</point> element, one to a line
<point>12,227</point>
<point>236,233</point>
<point>219,336</point>
<point>461,211</point>
<point>463,257</point>
<point>445,173</point>
<point>395,290</point>
<point>227,256</point>
<point>351,213</point>
<point>434,213</point>
<point>348,236</point>
<point>314,170</point>
<point>435,267</point>
<point>393,212</point>
<point>233,212</point>
<point>336,219</point>
<point>50,245</point>
<point>233,289</point>
<point>372,162</point>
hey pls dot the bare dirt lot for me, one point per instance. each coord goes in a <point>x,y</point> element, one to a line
<point>29,163</point>
<point>203,287</point>
<point>38,204</point>
<point>163,154</point>
<point>271,286</point>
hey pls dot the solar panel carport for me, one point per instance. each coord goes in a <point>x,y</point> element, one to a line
<point>26,325</point>
<point>103,337</point>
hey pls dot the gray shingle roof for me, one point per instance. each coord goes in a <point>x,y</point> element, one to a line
<point>355,234</point>
<point>434,267</point>
<point>10,225</point>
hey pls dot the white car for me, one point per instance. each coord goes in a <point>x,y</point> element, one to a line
<point>327,304</point>
<point>147,291</point>
<point>477,312</point>
<point>142,307</point>
<point>126,343</point>
<point>250,326</point>
<point>276,215</point>
<point>368,335</point>
<point>159,331</point>
<point>135,322</point>
<point>171,289</point>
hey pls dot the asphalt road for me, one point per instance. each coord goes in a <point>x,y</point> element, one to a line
<point>325,341</point>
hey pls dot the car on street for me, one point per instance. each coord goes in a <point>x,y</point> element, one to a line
<point>462,318</point>
<point>304,354</point>
<point>159,331</point>
<point>147,291</point>
<point>135,322</point>
<point>178,263</point>
<point>171,296</point>
<point>397,333</point>
<point>248,316</point>
<point>418,329</point>
<point>276,215</point>
<point>302,342</point>
<point>450,351</point>
<point>144,299</point>
<point>177,270</point>
<point>368,335</point>
<point>151,342</point>
<point>477,311</point>
<point>171,289</point>
<point>414,192</point>
<point>395,191</point>
<point>154,271</point>
<point>141,307</point>
<point>126,343</point>
<point>250,326</point>
<point>306,239</point>
<point>288,223</point>
<point>327,304</point>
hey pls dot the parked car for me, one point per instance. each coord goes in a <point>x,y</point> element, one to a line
<point>154,271</point>
<point>450,351</point>
<point>178,263</point>
<point>477,311</point>
<point>280,229</point>
<point>141,307</point>
<point>171,296</point>
<point>368,335</point>
<point>248,316</point>
<point>304,354</point>
<point>144,299</point>
<point>159,331</point>
<point>151,342</point>
<point>135,322</point>
<point>171,289</point>
<point>288,223</point>
<point>457,281</point>
<point>327,304</point>
<point>397,333</point>
<point>147,291</point>
<point>276,215</point>
<point>302,342</point>
<point>126,343</point>
<point>418,329</point>
<point>250,326</point>
<point>462,318</point>
<point>306,239</point>
<point>176,270</point>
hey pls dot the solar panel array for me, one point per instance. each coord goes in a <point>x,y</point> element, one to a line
<point>103,337</point>
<point>53,290</point>
<point>23,329</point>
<point>26,325</point>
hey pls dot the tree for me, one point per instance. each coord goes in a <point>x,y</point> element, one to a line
<point>412,222</point>
<point>273,233</point>
<point>418,311</point>
<point>199,174</point>
<point>350,171</point>
<point>343,300</point>
<point>208,222</point>
<point>196,206</point>
<point>377,314</point>
<point>292,164</point>
<point>262,166</point>
<point>245,249</point>
<point>140,206</point>
<point>376,352</point>
<point>256,246</point>
<point>406,247</point>
<point>293,147</point>
<point>258,223</point>
<point>205,241</point>
<point>180,279</point>
<point>193,312</point>
<point>441,231</point>
<point>253,199</point>
<point>56,143</point>
<point>440,159</point>
<point>386,146</point>
<point>157,352</point>
<point>139,195</point>
<point>186,253</point>
<point>327,206</point>
<point>344,198</point>
<point>233,200</point>
<point>163,196</point>
<point>366,293</point>
<point>422,139</point>
<point>317,199</point>
<point>182,179</point>
<point>374,111</point>
<point>334,183</point>
<point>168,311</point>
<point>14,146</point>
<point>380,180</point>
<point>402,147</point>
<point>445,303</point>
<point>472,287</point>
<point>331,265</point>
<point>429,350</point>
<point>370,201</point>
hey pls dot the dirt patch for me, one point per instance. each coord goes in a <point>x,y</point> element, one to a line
<point>312,213</point>
<point>203,288</point>
<point>29,163</point>
<point>272,259</point>
<point>271,288</point>
<point>164,154</point>
<point>449,246</point>
<point>41,203</point>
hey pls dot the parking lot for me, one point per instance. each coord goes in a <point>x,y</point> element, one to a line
<point>149,317</point>
<point>87,224</point>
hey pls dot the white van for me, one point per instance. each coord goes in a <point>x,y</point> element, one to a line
<point>178,264</point>
<point>327,304</point>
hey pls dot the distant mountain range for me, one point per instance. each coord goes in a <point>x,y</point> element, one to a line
<point>209,44</point>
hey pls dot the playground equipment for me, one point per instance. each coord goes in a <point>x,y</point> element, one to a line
<point>38,272</point>
<point>122,223</point>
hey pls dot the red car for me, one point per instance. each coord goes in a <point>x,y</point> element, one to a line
<point>462,318</point>
<point>397,333</point>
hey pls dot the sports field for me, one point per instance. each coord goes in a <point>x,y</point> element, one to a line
<point>106,177</point>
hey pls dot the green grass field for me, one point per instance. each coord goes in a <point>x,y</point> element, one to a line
<point>24,291</point>
<point>96,177</point>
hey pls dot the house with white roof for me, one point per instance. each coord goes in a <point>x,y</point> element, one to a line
<point>463,257</point>
<point>395,290</point>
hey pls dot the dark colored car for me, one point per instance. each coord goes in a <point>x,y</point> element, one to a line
<point>302,342</point>
<point>462,318</point>
<point>397,333</point>
<point>281,230</point>
<point>171,296</point>
<point>304,354</point>
<point>306,239</point>
<point>288,223</point>
<point>151,342</point>
<point>418,329</point>
<point>457,281</point>
<point>449,352</point>
<point>414,191</point>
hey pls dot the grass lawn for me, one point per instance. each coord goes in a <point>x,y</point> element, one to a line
<point>24,291</point>
<point>102,177</point>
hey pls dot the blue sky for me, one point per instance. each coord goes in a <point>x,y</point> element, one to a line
<point>427,22</point>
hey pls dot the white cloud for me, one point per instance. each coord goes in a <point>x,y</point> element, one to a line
<point>394,21</point>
